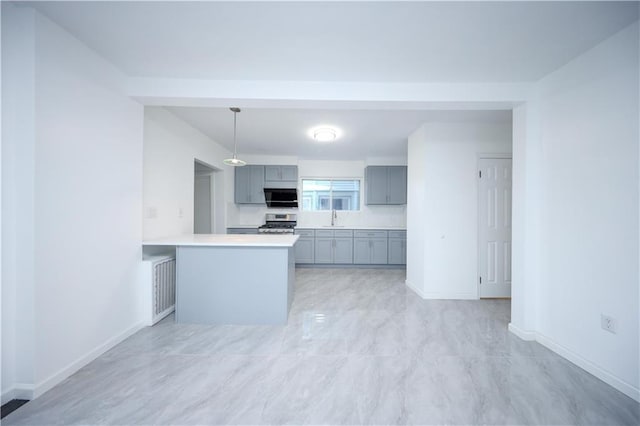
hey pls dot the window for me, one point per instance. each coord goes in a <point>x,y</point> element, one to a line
<point>330,194</point>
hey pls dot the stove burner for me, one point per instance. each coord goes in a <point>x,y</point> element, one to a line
<point>278,224</point>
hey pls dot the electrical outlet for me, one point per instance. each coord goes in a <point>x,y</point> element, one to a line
<point>608,323</point>
<point>152,213</point>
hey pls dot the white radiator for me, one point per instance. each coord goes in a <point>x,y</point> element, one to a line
<point>160,280</point>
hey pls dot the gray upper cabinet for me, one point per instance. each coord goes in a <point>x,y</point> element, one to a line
<point>249,185</point>
<point>281,173</point>
<point>250,181</point>
<point>386,185</point>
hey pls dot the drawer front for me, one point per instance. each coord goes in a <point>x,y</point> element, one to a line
<point>305,232</point>
<point>242,230</point>
<point>324,232</point>
<point>361,233</point>
<point>348,233</point>
<point>397,234</point>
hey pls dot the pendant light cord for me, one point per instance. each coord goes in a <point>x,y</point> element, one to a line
<point>235,144</point>
<point>234,161</point>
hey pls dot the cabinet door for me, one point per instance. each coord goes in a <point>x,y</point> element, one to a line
<point>376,182</point>
<point>378,251</point>
<point>256,184</point>
<point>397,185</point>
<point>280,173</point>
<point>343,250</point>
<point>361,251</point>
<point>272,173</point>
<point>397,251</point>
<point>241,185</point>
<point>304,250</point>
<point>324,250</point>
<point>289,173</point>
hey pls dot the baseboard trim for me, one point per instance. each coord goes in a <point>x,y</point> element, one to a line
<point>588,366</point>
<point>31,392</point>
<point>18,391</point>
<point>523,334</point>
<point>440,296</point>
<point>8,395</point>
<point>450,296</point>
<point>415,289</point>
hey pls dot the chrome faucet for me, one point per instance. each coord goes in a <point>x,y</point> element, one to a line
<point>334,217</point>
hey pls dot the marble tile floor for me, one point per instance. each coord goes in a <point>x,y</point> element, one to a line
<point>359,348</point>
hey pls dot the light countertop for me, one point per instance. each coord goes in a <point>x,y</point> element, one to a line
<point>226,240</point>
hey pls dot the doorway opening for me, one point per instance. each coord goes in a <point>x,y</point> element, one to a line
<point>203,198</point>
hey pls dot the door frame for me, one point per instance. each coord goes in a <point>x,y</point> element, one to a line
<point>487,156</point>
<point>213,191</point>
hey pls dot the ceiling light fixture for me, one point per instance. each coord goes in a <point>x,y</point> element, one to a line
<point>235,161</point>
<point>324,134</point>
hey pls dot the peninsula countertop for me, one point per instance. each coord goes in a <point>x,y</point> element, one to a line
<point>226,240</point>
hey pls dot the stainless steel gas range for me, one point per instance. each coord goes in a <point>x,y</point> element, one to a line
<point>278,223</point>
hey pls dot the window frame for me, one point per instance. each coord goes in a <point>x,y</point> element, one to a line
<point>332,179</point>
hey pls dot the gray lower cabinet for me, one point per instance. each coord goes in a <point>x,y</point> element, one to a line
<point>249,185</point>
<point>370,247</point>
<point>397,247</point>
<point>343,250</point>
<point>334,246</point>
<point>305,246</point>
<point>242,230</point>
<point>324,250</point>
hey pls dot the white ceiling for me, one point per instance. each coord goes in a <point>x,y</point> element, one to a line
<point>365,133</point>
<point>341,41</point>
<point>337,41</point>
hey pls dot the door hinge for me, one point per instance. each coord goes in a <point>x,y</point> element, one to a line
<point>480,174</point>
<point>480,280</point>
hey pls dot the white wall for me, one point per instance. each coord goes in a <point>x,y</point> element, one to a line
<point>525,219</point>
<point>18,144</point>
<point>416,206</point>
<point>369,216</point>
<point>74,174</point>
<point>443,160</point>
<point>588,116</point>
<point>170,147</point>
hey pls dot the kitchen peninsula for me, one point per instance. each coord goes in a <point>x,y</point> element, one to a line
<point>233,279</point>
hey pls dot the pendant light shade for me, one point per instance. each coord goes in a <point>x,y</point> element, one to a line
<point>235,161</point>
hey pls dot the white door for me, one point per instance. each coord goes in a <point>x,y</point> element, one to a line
<point>494,217</point>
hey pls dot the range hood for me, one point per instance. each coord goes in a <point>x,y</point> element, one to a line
<point>281,197</point>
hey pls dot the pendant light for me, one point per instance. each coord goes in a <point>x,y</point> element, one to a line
<point>235,161</point>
